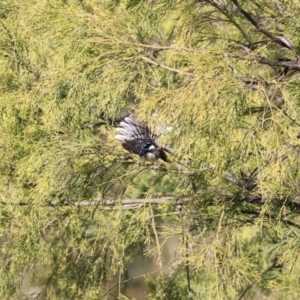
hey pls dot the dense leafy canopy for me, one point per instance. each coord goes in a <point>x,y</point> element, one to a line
<point>76,209</point>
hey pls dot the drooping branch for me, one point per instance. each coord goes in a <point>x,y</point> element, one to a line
<point>270,268</point>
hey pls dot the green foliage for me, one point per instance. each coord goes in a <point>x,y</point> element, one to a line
<point>76,209</point>
<point>172,287</point>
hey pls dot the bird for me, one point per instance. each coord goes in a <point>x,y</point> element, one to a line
<point>138,138</point>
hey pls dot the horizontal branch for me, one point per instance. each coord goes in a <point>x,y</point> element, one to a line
<point>157,63</point>
<point>290,64</point>
<point>154,47</point>
<point>125,203</point>
<point>144,275</point>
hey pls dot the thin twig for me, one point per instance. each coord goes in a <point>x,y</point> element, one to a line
<point>158,246</point>
<point>155,47</point>
<point>159,64</point>
<point>273,265</point>
<point>293,120</point>
<point>187,266</point>
<point>231,66</point>
<point>141,276</point>
<point>185,242</point>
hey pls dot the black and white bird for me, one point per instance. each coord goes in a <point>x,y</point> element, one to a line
<point>138,139</point>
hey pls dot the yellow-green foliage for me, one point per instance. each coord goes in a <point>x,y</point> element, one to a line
<point>204,68</point>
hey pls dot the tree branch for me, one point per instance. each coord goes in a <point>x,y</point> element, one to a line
<point>246,183</point>
<point>159,64</point>
<point>277,39</point>
<point>103,202</point>
<point>290,64</point>
<point>154,47</point>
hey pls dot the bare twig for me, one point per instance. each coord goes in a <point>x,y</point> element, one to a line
<point>187,265</point>
<point>186,243</point>
<point>231,66</point>
<point>154,47</point>
<point>159,64</point>
<point>158,246</point>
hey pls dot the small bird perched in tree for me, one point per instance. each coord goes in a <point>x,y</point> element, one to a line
<point>138,139</point>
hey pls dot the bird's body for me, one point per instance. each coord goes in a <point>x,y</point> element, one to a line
<point>139,139</point>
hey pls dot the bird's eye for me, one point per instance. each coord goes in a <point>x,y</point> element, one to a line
<point>147,145</point>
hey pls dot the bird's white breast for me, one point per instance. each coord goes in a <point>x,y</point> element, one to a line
<point>150,157</point>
